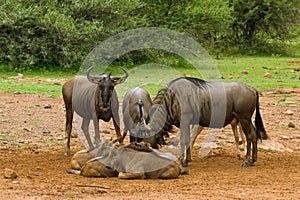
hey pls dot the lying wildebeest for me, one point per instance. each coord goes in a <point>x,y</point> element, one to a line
<point>126,161</point>
<point>197,130</point>
<point>189,100</point>
<point>92,97</point>
<point>136,105</point>
<point>146,164</point>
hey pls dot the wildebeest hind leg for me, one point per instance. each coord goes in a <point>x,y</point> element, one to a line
<point>254,144</point>
<point>69,120</point>
<point>116,122</point>
<point>247,130</point>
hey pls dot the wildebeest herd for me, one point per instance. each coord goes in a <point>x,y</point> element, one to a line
<point>184,102</point>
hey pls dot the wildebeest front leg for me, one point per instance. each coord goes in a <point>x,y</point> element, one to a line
<point>85,129</point>
<point>236,137</point>
<point>185,150</point>
<point>127,175</point>
<point>97,131</point>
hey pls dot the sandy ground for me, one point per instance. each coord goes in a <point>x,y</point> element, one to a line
<point>32,145</point>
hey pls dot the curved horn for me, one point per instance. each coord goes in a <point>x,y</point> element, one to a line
<point>89,77</point>
<point>126,73</point>
<point>119,80</point>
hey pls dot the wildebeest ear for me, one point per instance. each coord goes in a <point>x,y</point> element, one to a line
<point>119,80</point>
<point>92,79</point>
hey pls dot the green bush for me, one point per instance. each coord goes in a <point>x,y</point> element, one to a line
<point>53,32</point>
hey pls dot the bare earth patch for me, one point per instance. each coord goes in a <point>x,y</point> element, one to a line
<point>32,145</point>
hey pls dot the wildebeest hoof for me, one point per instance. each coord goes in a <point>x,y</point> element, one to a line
<point>247,163</point>
<point>97,141</point>
<point>189,160</point>
<point>67,153</point>
<point>184,163</point>
<point>184,171</point>
<point>91,148</point>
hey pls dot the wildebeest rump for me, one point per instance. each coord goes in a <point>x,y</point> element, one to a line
<point>135,108</point>
<point>190,100</point>
<point>92,97</point>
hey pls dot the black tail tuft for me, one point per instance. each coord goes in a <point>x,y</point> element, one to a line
<point>260,130</point>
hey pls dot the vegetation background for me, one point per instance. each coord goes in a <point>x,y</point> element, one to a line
<point>58,34</point>
<point>256,42</point>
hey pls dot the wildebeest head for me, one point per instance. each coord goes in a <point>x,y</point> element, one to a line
<point>155,131</point>
<point>106,84</point>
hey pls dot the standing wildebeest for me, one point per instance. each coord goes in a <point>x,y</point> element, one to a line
<point>136,105</point>
<point>92,97</point>
<point>190,100</point>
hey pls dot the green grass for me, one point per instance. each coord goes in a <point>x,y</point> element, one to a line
<point>283,73</point>
<point>249,70</point>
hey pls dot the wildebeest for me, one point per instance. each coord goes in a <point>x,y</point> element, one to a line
<point>136,105</point>
<point>131,161</point>
<point>189,100</point>
<point>92,97</point>
<point>146,164</point>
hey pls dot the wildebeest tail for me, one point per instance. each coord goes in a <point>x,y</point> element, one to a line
<point>141,110</point>
<point>260,130</point>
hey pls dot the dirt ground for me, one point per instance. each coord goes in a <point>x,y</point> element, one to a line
<point>32,145</point>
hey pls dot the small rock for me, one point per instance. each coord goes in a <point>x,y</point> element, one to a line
<point>9,173</point>
<point>298,136</point>
<point>268,75</point>
<point>46,131</point>
<point>27,129</point>
<point>20,76</point>
<point>288,112</point>
<point>15,182</point>
<point>48,106</point>
<point>112,128</point>
<point>143,84</point>
<point>59,138</point>
<point>245,72</point>
<point>284,137</point>
<point>291,125</point>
